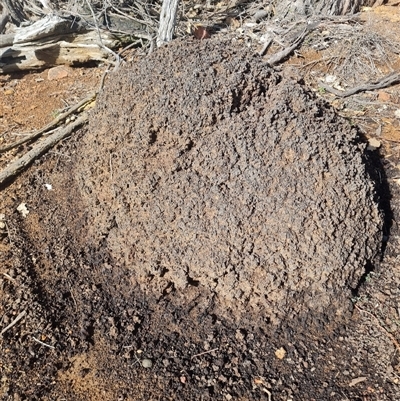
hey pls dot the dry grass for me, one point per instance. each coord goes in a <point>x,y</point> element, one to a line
<point>356,53</point>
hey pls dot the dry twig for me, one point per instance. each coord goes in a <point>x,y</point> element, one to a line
<point>7,276</point>
<point>14,322</point>
<point>20,164</point>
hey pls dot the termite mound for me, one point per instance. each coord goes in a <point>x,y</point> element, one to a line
<point>205,169</point>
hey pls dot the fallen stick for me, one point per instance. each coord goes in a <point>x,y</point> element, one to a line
<point>9,277</point>
<point>388,80</point>
<point>20,164</point>
<point>49,126</point>
<point>14,322</point>
<point>280,56</point>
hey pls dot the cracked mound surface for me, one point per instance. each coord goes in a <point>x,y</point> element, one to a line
<point>203,167</point>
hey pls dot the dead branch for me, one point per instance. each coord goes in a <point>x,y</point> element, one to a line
<point>281,55</point>
<point>20,164</point>
<point>49,126</point>
<point>388,80</point>
<point>48,26</point>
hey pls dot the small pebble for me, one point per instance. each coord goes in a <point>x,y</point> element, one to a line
<point>147,363</point>
<point>373,144</point>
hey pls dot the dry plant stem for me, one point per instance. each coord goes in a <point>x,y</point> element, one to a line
<point>293,25</point>
<point>42,343</point>
<point>122,51</point>
<point>388,80</point>
<point>203,353</point>
<point>95,21</point>
<point>390,335</point>
<point>268,394</point>
<point>51,125</point>
<point>137,34</point>
<point>14,322</point>
<point>20,164</point>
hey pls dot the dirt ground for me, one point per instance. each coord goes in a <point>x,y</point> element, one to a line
<point>91,329</point>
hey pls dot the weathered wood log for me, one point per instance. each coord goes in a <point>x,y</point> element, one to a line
<point>16,10</point>
<point>4,17</point>
<point>7,39</point>
<point>52,41</point>
<point>46,27</point>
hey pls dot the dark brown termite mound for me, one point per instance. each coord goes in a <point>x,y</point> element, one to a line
<point>205,168</point>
